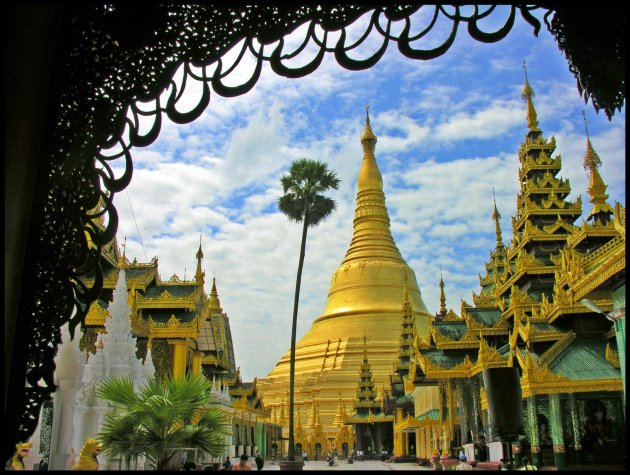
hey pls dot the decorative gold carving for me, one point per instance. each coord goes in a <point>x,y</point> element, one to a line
<point>488,357</point>
<point>173,328</point>
<point>451,316</point>
<point>482,300</point>
<point>614,265</point>
<point>619,219</point>
<point>97,315</point>
<point>168,300</point>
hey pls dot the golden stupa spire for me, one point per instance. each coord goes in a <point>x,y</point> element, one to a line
<point>122,261</point>
<point>496,217</point>
<point>442,297</point>
<point>596,186</point>
<point>340,417</point>
<point>215,304</point>
<point>318,423</point>
<point>528,97</point>
<point>372,233</point>
<point>199,274</point>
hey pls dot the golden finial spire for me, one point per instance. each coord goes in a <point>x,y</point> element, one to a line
<point>596,186</point>
<point>528,96</point>
<point>364,346</point>
<point>214,303</point>
<point>496,217</point>
<point>199,274</point>
<point>442,295</point>
<point>368,139</point>
<point>122,261</point>
<point>591,159</point>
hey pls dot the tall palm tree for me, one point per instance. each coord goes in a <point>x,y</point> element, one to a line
<point>303,201</point>
<point>161,418</point>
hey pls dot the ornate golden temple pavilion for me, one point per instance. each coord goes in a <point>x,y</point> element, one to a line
<point>187,331</point>
<point>552,304</point>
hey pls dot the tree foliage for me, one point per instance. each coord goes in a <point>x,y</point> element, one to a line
<point>160,418</point>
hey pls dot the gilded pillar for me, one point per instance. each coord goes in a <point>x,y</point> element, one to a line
<point>178,358</point>
<point>463,411</point>
<point>575,426</point>
<point>532,422</point>
<point>196,362</point>
<point>421,441</point>
<point>398,445</point>
<point>557,432</point>
<point>451,406</point>
<point>477,428</point>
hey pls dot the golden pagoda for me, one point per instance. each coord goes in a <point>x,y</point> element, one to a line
<point>365,298</point>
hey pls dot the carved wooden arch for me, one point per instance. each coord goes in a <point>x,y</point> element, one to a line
<point>111,58</point>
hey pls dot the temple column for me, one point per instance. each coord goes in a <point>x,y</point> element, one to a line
<point>477,428</point>
<point>557,432</point>
<point>178,357</point>
<point>196,362</point>
<point>463,411</point>
<point>451,406</point>
<point>575,426</point>
<point>532,422</point>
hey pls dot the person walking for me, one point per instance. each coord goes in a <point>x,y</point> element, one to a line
<point>259,462</point>
<point>463,465</point>
<point>227,465</point>
<point>242,464</point>
<point>527,465</point>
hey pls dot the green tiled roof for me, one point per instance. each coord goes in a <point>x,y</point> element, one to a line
<point>504,350</point>
<point>488,316</point>
<point>433,414</point>
<point>132,273</point>
<point>454,331</point>
<point>448,361</point>
<point>175,290</point>
<point>584,359</point>
<point>546,327</point>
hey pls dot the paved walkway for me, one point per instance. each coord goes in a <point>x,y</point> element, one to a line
<point>366,465</point>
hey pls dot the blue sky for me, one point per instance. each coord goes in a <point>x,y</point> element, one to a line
<point>448,132</point>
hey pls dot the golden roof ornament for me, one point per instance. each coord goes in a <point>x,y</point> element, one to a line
<point>528,96</point>
<point>214,303</point>
<point>496,217</point>
<point>199,274</point>
<point>442,297</point>
<point>596,186</point>
<point>368,136</point>
<point>123,263</point>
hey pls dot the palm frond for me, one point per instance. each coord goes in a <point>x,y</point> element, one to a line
<point>118,391</point>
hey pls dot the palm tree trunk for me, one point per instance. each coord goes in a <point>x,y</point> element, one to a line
<point>298,280</point>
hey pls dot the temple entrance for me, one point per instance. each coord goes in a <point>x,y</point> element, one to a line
<point>318,450</point>
<point>344,449</point>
